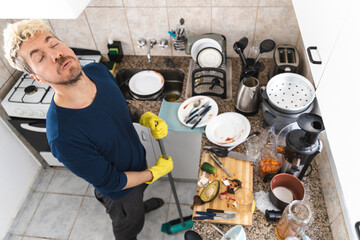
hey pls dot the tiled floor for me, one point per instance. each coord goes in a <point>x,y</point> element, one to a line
<point>62,206</point>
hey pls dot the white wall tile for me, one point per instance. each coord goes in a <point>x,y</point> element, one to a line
<point>4,73</point>
<point>74,32</point>
<point>153,23</point>
<point>278,24</point>
<point>147,3</point>
<point>106,22</point>
<point>234,3</point>
<point>278,3</point>
<point>105,3</point>
<point>234,23</point>
<point>188,3</point>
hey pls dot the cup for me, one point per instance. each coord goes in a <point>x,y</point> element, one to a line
<point>244,197</point>
<point>253,147</point>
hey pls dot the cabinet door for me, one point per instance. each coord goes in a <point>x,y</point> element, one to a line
<point>338,97</point>
<point>320,22</point>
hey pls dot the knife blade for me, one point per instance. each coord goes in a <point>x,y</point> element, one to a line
<point>220,164</point>
<point>211,210</point>
<point>240,156</point>
<point>202,115</point>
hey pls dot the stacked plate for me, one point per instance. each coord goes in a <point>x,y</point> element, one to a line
<point>207,53</point>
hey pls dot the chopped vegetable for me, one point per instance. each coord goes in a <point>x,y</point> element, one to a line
<point>268,166</point>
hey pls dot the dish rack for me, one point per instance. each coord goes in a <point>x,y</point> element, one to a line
<point>210,81</point>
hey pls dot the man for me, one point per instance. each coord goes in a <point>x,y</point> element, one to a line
<point>89,127</point>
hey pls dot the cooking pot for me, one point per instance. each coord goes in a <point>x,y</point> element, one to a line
<point>290,93</point>
<point>146,85</point>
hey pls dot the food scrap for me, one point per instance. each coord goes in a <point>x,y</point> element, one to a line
<point>268,166</point>
<point>203,181</point>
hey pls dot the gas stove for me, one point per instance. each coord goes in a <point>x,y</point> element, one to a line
<point>30,99</point>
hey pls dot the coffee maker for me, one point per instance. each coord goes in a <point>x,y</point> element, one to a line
<point>299,143</point>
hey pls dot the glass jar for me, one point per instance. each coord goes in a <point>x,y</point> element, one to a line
<point>294,219</point>
<point>271,161</point>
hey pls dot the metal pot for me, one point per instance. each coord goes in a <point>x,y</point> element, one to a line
<point>290,93</point>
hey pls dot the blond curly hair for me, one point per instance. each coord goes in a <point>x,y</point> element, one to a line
<point>17,33</point>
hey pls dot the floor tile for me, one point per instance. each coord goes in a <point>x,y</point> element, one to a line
<point>67,182</point>
<point>44,181</point>
<point>34,238</point>
<point>55,216</point>
<point>153,222</point>
<point>92,223</point>
<point>27,213</point>
<point>90,191</point>
<point>173,214</point>
<point>185,192</point>
<point>15,238</point>
<point>159,189</point>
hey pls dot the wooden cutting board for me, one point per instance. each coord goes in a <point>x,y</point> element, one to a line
<point>240,169</point>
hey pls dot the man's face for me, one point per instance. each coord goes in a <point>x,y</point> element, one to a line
<point>50,59</point>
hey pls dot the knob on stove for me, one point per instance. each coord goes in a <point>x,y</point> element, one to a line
<point>19,112</point>
<point>40,113</point>
<point>29,113</point>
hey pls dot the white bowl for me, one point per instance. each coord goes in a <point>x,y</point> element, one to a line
<point>203,43</point>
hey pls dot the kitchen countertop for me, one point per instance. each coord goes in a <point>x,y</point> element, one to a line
<point>319,227</point>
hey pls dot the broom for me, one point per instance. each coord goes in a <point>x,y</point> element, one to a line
<point>181,223</point>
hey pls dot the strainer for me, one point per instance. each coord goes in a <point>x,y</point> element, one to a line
<point>290,92</point>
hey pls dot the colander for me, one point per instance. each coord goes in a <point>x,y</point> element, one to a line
<point>290,92</point>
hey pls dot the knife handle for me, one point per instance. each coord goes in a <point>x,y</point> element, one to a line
<point>203,217</point>
<point>201,116</point>
<point>205,213</point>
<point>210,210</point>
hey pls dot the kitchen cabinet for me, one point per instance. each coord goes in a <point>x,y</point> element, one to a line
<point>320,23</point>
<point>183,147</point>
<point>338,97</point>
<point>19,169</point>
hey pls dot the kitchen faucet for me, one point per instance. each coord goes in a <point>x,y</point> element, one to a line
<point>152,42</point>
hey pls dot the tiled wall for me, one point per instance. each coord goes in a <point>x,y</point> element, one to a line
<point>129,20</point>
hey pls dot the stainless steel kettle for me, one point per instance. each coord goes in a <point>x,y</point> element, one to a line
<point>248,96</point>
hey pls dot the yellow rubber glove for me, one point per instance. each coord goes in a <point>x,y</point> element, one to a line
<point>162,167</point>
<point>148,120</point>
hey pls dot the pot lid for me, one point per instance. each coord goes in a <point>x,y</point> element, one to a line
<point>146,83</point>
<point>290,92</point>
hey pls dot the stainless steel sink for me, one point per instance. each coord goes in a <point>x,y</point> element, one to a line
<point>173,85</point>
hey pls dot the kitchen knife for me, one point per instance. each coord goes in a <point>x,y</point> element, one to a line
<point>201,116</point>
<point>240,156</point>
<point>213,216</point>
<point>192,114</point>
<point>220,164</point>
<point>211,210</point>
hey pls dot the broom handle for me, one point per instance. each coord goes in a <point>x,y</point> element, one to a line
<point>171,180</point>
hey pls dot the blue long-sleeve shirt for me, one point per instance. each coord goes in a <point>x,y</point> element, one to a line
<point>99,142</point>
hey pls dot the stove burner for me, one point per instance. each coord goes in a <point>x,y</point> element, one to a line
<point>30,89</point>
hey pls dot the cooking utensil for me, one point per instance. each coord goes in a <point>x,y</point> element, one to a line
<point>195,105</point>
<point>221,152</point>
<point>248,96</point>
<point>290,92</point>
<point>213,216</point>
<point>197,115</point>
<point>265,46</point>
<point>284,188</point>
<point>220,164</point>
<point>201,116</point>
<point>239,47</point>
<point>146,83</point>
<point>220,211</point>
<point>192,235</point>
<point>228,129</point>
<point>205,105</point>
<point>244,169</point>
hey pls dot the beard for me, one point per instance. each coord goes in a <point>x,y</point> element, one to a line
<point>75,72</point>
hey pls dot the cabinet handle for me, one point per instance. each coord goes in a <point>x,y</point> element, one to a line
<point>310,56</point>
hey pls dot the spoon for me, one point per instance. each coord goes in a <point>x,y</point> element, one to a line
<point>265,46</point>
<point>191,235</point>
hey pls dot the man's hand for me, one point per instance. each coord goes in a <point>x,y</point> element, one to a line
<point>159,131</point>
<point>161,168</point>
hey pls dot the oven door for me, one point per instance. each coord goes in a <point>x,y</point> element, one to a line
<point>34,131</point>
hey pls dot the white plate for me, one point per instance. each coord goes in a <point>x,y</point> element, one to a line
<point>209,57</point>
<point>204,43</point>
<point>146,83</point>
<point>186,107</point>
<point>228,129</point>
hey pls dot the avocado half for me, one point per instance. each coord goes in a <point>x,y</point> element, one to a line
<point>210,192</point>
